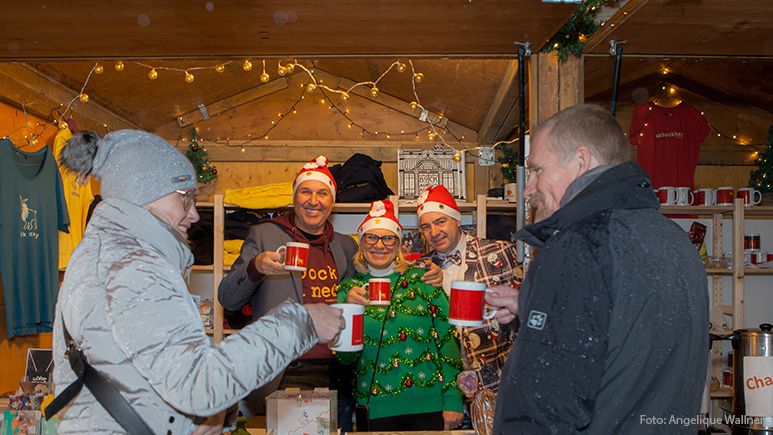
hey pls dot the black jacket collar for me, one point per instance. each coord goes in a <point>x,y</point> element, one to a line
<point>622,187</point>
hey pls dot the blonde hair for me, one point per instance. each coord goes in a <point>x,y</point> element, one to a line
<point>361,264</point>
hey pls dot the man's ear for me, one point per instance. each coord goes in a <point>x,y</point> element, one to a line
<point>585,159</point>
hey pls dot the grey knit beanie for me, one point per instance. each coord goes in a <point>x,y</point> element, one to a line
<point>133,165</point>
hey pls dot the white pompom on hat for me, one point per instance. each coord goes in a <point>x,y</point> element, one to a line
<point>381,215</point>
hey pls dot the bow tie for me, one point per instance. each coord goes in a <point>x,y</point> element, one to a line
<point>455,258</point>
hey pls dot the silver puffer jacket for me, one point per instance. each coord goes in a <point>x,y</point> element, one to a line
<point>124,300</point>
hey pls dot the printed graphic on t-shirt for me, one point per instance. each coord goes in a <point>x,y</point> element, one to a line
<point>323,283</point>
<point>29,218</point>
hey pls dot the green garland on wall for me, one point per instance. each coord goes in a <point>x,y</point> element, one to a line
<point>571,38</point>
<point>762,177</point>
<point>205,171</point>
<point>509,162</point>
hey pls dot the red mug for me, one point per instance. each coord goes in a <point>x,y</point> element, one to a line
<point>759,257</point>
<point>667,195</point>
<point>379,291</point>
<point>350,339</point>
<point>467,306</point>
<point>750,196</point>
<point>705,197</point>
<point>725,195</point>
<point>296,255</point>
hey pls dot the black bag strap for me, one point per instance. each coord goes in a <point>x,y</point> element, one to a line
<point>381,337</point>
<point>106,394</point>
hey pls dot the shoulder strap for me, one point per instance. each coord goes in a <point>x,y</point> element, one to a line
<point>381,337</point>
<point>106,394</point>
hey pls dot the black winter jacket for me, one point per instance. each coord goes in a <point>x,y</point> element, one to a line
<point>614,313</point>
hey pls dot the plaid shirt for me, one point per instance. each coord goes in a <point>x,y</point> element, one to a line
<point>485,348</point>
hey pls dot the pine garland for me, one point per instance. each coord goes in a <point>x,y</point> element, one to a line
<point>509,162</point>
<point>205,172</point>
<point>762,177</point>
<point>571,38</point>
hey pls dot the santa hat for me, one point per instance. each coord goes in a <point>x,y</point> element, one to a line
<point>381,215</point>
<point>316,170</point>
<point>438,199</point>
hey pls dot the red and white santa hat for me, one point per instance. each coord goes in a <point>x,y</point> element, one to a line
<point>316,170</point>
<point>438,199</point>
<point>381,215</point>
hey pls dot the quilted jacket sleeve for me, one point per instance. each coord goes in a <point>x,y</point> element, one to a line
<point>156,325</point>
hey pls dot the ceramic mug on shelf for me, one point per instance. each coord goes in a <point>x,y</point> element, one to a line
<point>684,196</point>
<point>705,197</point>
<point>351,337</point>
<point>725,195</point>
<point>296,255</point>
<point>468,306</point>
<point>750,196</point>
<point>667,195</point>
<point>379,291</point>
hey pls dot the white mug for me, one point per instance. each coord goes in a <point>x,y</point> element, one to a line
<point>705,197</point>
<point>684,196</point>
<point>750,196</point>
<point>667,195</point>
<point>351,337</point>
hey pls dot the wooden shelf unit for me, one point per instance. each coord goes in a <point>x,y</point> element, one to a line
<point>480,207</point>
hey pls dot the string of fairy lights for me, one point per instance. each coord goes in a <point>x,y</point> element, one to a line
<point>435,127</point>
<point>670,98</point>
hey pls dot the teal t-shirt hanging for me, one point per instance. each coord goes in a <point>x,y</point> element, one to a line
<point>33,209</point>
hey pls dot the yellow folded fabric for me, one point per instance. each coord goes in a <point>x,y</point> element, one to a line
<point>229,258</point>
<point>274,195</point>
<point>232,246</point>
<point>231,251</point>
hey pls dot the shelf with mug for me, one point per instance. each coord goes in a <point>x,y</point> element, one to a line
<point>758,210</point>
<point>757,271</point>
<point>696,209</point>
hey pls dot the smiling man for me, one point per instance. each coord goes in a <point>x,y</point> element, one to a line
<point>463,257</point>
<point>258,277</point>
<point>613,311</point>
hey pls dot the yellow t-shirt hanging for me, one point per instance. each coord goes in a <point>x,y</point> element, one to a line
<point>78,197</point>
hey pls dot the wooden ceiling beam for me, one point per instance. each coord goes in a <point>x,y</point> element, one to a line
<point>234,101</point>
<point>625,10</point>
<point>494,124</point>
<point>298,151</point>
<point>393,103</point>
<point>29,87</point>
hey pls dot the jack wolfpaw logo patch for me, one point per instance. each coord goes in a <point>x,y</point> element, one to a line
<point>537,320</point>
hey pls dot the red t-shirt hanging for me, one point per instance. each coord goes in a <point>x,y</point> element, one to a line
<point>668,142</point>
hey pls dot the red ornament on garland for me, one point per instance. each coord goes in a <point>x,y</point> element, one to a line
<point>404,284</point>
<point>408,383</point>
<point>440,378</point>
<point>214,170</point>
<point>402,335</point>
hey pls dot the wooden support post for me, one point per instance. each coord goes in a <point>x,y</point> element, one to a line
<point>554,85</point>
<point>217,261</point>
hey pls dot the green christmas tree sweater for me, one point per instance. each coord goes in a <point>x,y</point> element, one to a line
<point>419,358</point>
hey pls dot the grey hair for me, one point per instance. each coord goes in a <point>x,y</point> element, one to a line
<point>590,125</point>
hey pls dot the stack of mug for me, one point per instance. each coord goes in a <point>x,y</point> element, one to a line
<point>669,195</point>
<point>752,250</point>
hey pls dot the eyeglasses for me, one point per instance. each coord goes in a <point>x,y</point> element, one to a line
<point>189,198</point>
<point>387,240</point>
